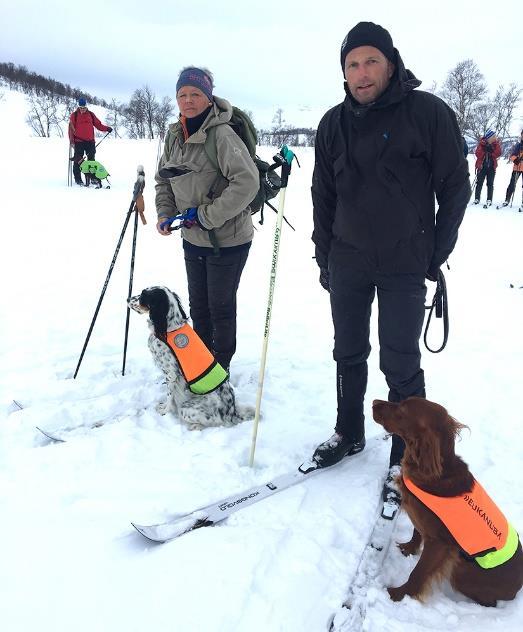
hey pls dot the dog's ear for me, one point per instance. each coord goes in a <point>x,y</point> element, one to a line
<point>425,452</point>
<point>158,303</point>
<point>456,427</point>
<point>182,312</point>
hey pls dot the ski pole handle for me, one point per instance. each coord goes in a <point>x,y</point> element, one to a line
<point>140,182</point>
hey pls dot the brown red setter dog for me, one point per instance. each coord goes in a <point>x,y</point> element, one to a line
<point>431,464</point>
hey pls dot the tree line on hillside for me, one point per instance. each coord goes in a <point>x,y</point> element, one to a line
<point>146,116</point>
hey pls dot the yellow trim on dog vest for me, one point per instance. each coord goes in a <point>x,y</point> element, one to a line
<point>199,368</point>
<point>475,522</point>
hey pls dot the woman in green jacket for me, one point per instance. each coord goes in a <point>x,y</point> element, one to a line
<point>217,228</point>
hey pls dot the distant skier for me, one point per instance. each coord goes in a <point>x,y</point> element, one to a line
<point>81,136</point>
<point>516,156</point>
<point>487,153</point>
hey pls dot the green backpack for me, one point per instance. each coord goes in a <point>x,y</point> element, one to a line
<point>270,181</point>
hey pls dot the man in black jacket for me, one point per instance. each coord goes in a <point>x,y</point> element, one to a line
<point>382,157</point>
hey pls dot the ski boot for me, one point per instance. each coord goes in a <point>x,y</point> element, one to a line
<point>335,449</point>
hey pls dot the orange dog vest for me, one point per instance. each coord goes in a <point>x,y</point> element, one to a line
<point>475,522</point>
<point>200,370</point>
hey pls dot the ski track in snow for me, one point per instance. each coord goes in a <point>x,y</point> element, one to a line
<point>70,558</point>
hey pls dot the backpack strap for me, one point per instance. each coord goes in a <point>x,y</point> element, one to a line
<point>75,114</point>
<point>211,149</point>
<point>212,154</point>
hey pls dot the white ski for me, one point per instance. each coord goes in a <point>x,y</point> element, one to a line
<point>351,615</point>
<point>210,515</point>
<point>61,435</point>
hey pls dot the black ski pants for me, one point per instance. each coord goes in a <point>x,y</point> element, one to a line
<point>512,185</point>
<point>401,311</point>
<point>82,147</point>
<point>490,174</point>
<point>213,283</point>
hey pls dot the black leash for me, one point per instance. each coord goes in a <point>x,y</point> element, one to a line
<point>440,304</point>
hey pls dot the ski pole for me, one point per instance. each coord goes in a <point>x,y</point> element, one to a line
<point>102,139</point>
<point>284,157</point>
<point>515,187</point>
<point>159,150</point>
<point>70,168</point>
<point>134,207</point>
<point>140,206</point>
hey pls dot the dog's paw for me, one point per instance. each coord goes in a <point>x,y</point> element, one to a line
<point>396,594</point>
<point>163,408</point>
<point>245,412</point>
<point>194,426</point>
<point>408,548</point>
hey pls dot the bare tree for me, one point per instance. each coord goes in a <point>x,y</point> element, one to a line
<point>496,113</point>
<point>114,116</point>
<point>44,114</point>
<point>433,88</point>
<point>163,113</point>
<point>503,106</point>
<point>463,89</point>
<point>142,116</point>
<point>134,115</point>
<point>480,119</point>
<point>150,107</point>
<point>280,129</point>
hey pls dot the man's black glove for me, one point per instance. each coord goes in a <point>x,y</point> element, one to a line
<point>109,130</point>
<point>324,279</point>
<point>489,148</point>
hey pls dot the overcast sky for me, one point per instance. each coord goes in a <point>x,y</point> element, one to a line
<point>283,53</point>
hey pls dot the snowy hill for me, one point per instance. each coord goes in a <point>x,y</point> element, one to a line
<point>71,560</point>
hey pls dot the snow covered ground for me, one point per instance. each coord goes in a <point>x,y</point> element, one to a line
<point>70,559</point>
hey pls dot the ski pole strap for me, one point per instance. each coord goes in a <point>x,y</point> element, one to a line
<point>140,208</point>
<point>276,211</point>
<point>168,221</point>
<point>440,304</point>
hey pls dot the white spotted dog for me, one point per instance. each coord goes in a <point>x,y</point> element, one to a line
<point>197,411</point>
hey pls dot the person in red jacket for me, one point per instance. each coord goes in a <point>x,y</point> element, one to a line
<point>487,153</point>
<point>81,136</point>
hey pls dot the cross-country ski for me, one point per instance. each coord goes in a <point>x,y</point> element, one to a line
<point>220,510</point>
<point>62,433</point>
<point>351,615</point>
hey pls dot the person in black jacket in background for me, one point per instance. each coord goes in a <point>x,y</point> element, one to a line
<point>382,155</point>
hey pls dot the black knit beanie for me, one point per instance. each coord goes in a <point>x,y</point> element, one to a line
<point>367,34</point>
